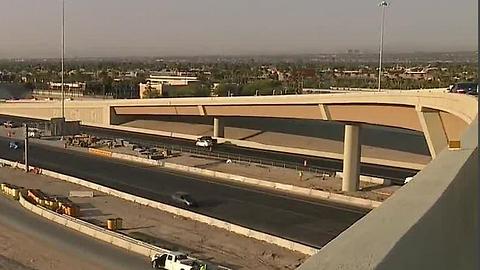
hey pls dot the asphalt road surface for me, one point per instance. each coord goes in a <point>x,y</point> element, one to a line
<point>308,222</point>
<point>68,241</point>
<point>397,175</point>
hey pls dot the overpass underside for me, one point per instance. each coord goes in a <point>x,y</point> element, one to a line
<point>441,117</point>
<point>439,127</point>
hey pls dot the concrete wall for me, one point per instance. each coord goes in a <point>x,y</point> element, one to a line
<point>96,111</point>
<point>431,223</point>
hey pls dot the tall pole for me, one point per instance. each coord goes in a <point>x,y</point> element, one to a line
<point>383,4</point>
<point>63,58</point>
<point>26,147</point>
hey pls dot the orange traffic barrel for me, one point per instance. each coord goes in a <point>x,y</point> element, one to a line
<point>111,224</point>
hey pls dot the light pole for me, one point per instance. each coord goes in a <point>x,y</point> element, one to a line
<point>63,58</point>
<point>26,147</point>
<point>383,5</point>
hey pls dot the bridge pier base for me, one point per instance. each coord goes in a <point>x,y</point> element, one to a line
<point>218,127</point>
<point>351,158</point>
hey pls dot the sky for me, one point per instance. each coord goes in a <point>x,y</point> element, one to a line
<point>113,28</point>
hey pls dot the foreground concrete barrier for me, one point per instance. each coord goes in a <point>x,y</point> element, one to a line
<point>291,245</point>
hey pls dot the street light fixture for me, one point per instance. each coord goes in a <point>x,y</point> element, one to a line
<point>383,5</point>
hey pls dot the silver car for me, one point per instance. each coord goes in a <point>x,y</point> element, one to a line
<point>184,198</point>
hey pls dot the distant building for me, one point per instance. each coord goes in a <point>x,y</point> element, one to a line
<point>162,84</point>
<point>69,87</point>
<point>418,75</point>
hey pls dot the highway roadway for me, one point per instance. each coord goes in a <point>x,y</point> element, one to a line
<point>75,244</point>
<point>397,175</point>
<point>308,222</point>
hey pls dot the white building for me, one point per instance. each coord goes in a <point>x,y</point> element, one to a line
<point>161,84</point>
<point>77,87</point>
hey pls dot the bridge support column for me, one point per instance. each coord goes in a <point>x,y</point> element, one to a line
<point>351,158</point>
<point>218,127</point>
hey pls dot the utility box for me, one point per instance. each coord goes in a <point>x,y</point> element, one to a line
<point>59,127</point>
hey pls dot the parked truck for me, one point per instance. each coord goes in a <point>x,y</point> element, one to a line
<point>176,261</point>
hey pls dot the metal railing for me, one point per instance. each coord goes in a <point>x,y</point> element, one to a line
<point>240,158</point>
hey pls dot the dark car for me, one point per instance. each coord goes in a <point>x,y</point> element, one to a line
<point>469,88</point>
<point>184,198</point>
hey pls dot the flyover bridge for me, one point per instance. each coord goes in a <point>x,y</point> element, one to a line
<point>442,117</point>
<point>431,223</point>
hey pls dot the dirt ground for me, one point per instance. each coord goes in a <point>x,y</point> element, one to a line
<point>22,252</point>
<point>165,230</point>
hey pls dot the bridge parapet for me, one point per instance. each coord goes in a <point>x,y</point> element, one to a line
<point>431,223</point>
